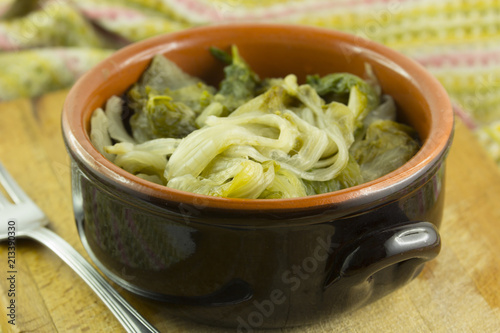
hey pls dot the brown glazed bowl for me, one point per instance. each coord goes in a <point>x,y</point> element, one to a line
<point>249,263</point>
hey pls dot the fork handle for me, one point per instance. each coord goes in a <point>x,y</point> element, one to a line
<point>131,320</point>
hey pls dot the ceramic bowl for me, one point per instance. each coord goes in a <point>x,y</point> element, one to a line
<point>262,263</point>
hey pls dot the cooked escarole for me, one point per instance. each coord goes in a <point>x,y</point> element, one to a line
<point>252,137</point>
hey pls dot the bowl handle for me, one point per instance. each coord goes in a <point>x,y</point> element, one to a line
<point>417,241</point>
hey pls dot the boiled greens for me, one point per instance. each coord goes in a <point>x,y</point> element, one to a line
<point>249,137</point>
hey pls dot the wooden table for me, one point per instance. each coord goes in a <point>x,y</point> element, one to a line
<point>457,292</point>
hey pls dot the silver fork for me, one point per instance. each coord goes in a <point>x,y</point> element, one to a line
<point>23,218</point>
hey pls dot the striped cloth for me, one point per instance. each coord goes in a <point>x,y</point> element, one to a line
<point>457,40</point>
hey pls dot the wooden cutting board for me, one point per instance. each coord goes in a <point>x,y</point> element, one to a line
<point>457,292</point>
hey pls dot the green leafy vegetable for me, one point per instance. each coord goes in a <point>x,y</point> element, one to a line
<point>252,138</point>
<point>166,101</point>
<point>348,89</point>
<point>240,82</point>
<point>386,146</point>
<point>221,55</point>
<point>348,177</point>
<point>166,118</point>
<point>232,178</point>
<point>285,184</point>
<point>100,132</point>
<point>164,74</point>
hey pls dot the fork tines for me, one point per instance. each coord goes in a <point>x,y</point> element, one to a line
<point>11,188</point>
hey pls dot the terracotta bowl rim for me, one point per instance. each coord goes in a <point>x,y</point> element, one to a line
<point>432,150</point>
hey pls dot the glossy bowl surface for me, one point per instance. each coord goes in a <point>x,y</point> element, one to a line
<point>262,263</point>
